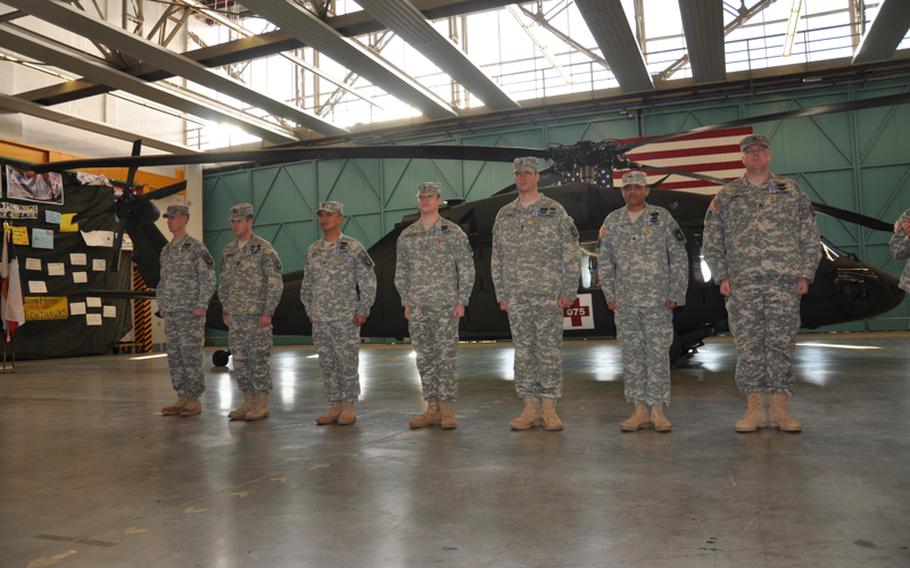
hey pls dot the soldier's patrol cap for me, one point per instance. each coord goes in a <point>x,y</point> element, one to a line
<point>331,207</point>
<point>241,211</point>
<point>428,188</point>
<point>526,164</point>
<point>634,177</point>
<point>174,210</point>
<point>754,139</point>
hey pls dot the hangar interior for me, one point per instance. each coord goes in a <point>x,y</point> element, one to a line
<point>93,476</point>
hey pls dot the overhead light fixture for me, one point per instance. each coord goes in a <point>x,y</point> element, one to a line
<point>792,22</point>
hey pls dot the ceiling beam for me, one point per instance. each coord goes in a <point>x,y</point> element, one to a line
<point>608,24</point>
<point>703,23</point>
<point>403,18</point>
<point>264,45</point>
<point>885,32</point>
<point>77,21</point>
<point>34,46</point>
<point>307,27</point>
<point>10,103</point>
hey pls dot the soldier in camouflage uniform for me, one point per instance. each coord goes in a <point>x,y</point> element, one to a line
<point>338,289</point>
<point>184,290</point>
<point>762,246</point>
<point>643,270</point>
<point>434,274</point>
<point>250,289</point>
<point>536,266</point>
<point>900,247</point>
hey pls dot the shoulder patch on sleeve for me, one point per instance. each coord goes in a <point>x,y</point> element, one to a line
<point>680,236</point>
<point>365,258</point>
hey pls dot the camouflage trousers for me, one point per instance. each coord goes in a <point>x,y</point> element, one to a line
<point>536,324</point>
<point>338,345</point>
<point>764,319</point>
<point>185,335</point>
<point>434,335</point>
<point>251,350</point>
<point>645,335</point>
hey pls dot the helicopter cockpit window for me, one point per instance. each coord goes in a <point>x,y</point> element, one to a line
<point>830,250</point>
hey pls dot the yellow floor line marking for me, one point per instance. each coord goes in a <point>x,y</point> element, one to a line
<point>280,478</point>
<point>134,530</point>
<point>51,560</point>
<point>240,493</point>
<point>194,510</point>
<point>320,466</point>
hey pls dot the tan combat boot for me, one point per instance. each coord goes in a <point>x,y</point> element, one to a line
<point>430,416</point>
<point>260,408</point>
<point>330,416</point>
<point>175,408</point>
<point>530,415</point>
<point>448,416</point>
<point>240,412</point>
<point>756,416</point>
<point>551,421</point>
<point>191,408</point>
<point>348,414</point>
<point>780,414</point>
<point>638,421</point>
<point>660,422</point>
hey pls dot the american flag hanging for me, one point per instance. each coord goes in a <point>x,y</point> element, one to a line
<point>714,153</point>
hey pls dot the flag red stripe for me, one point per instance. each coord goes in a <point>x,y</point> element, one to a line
<point>684,152</point>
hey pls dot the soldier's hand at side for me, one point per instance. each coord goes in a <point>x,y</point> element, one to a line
<point>565,302</point>
<point>227,320</point>
<point>198,312</point>
<point>671,304</point>
<point>612,306</point>
<point>504,305</point>
<point>265,321</point>
<point>802,287</point>
<point>905,224</point>
<point>459,311</point>
<point>407,312</point>
<point>161,314</point>
<point>359,320</point>
<point>724,287</point>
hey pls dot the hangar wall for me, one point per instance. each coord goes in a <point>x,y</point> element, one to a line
<point>858,161</point>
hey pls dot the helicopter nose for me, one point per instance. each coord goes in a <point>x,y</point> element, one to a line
<point>889,293</point>
<point>867,291</point>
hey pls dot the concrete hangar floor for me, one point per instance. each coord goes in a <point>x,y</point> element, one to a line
<point>91,476</point>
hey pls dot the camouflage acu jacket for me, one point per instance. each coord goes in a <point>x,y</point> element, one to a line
<point>643,263</point>
<point>251,282</point>
<point>339,281</point>
<point>434,266</point>
<point>754,232</point>
<point>535,251</point>
<point>187,276</point>
<point>900,249</point>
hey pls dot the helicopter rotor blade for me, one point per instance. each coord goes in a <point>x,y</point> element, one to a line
<point>852,217</point>
<point>656,185</point>
<point>165,191</point>
<point>679,172</point>
<point>276,155</point>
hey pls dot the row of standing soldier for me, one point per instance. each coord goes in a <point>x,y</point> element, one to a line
<point>760,242</point>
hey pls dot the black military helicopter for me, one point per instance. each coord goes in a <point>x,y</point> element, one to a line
<point>845,289</point>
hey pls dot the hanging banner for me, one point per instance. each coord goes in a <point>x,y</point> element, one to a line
<point>45,308</point>
<point>17,211</point>
<point>29,186</point>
